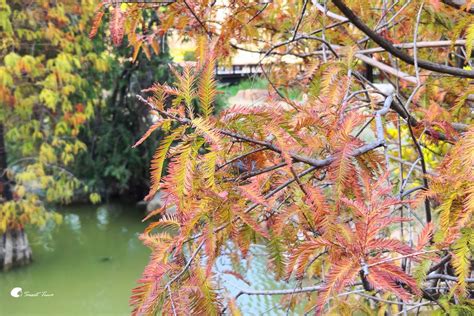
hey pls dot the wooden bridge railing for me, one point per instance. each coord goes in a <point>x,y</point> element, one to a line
<point>236,71</point>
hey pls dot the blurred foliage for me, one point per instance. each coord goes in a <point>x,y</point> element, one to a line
<point>68,110</point>
<point>50,79</point>
<point>189,56</point>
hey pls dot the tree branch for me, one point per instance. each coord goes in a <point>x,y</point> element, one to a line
<point>458,4</point>
<point>388,46</point>
<point>424,44</point>
<point>386,68</point>
<point>447,278</point>
<point>280,292</point>
<point>317,163</point>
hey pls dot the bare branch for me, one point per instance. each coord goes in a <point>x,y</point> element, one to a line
<point>388,46</point>
<point>281,292</point>
<point>458,4</point>
<point>424,44</point>
<point>386,68</point>
<point>447,278</point>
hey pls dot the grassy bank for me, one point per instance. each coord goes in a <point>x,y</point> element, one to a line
<point>230,90</point>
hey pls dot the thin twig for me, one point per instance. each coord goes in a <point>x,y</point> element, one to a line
<point>295,32</point>
<point>170,294</point>
<point>197,18</point>
<point>186,267</point>
<point>251,174</point>
<point>258,13</point>
<point>423,168</point>
<point>240,157</point>
<point>378,299</point>
<point>413,307</point>
<point>418,253</point>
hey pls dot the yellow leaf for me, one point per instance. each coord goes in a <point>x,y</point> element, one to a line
<point>94,198</point>
<point>136,50</point>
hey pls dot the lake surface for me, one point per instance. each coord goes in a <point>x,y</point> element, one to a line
<point>92,261</point>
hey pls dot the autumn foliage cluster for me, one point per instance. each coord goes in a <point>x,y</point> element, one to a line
<point>45,99</point>
<point>362,193</point>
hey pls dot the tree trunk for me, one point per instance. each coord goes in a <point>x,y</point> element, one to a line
<point>4,184</point>
<point>15,250</point>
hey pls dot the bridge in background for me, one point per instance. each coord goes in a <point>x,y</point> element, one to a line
<point>236,72</point>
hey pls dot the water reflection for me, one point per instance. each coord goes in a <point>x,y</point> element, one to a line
<point>102,217</point>
<point>74,222</point>
<point>256,276</point>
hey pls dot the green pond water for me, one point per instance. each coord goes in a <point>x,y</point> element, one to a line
<point>89,264</point>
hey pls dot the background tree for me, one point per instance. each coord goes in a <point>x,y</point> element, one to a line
<point>359,190</point>
<point>50,82</point>
<point>110,165</point>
